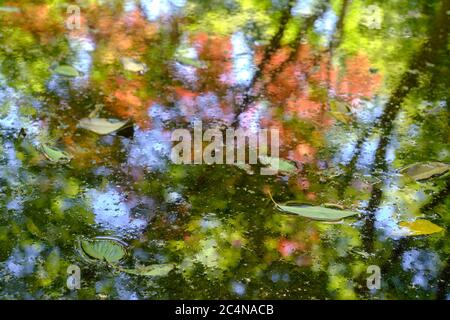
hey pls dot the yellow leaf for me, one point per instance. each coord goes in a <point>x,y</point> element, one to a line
<point>420,227</point>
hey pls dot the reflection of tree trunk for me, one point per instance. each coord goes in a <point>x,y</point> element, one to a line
<point>438,198</point>
<point>443,287</point>
<point>444,277</point>
<point>351,167</point>
<point>427,55</point>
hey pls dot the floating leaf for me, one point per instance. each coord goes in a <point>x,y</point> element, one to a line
<point>132,65</point>
<point>154,270</point>
<point>190,62</point>
<point>425,170</point>
<point>315,212</point>
<point>278,164</point>
<point>67,71</point>
<point>101,125</point>
<point>55,155</point>
<point>420,227</point>
<point>104,249</point>
<point>340,112</point>
<point>188,56</point>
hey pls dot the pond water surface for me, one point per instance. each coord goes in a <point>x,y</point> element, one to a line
<point>357,89</point>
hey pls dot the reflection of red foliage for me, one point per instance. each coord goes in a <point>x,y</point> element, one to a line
<point>126,103</point>
<point>304,153</point>
<point>357,81</point>
<point>216,52</point>
<point>37,19</point>
<point>128,34</point>
<point>288,247</point>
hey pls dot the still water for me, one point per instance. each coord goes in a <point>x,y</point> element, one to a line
<point>358,91</point>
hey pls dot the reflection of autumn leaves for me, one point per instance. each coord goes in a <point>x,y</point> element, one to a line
<point>128,100</point>
<point>303,88</point>
<point>84,157</point>
<point>39,19</point>
<point>216,52</point>
<point>126,35</point>
<point>298,248</point>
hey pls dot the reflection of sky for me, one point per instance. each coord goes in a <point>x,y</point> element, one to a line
<point>303,7</point>
<point>111,211</point>
<point>155,9</point>
<point>369,112</point>
<point>10,118</point>
<point>150,149</point>
<point>204,106</point>
<point>187,74</point>
<point>129,5</point>
<point>82,47</point>
<point>22,262</point>
<point>326,25</point>
<point>424,263</point>
<point>243,68</point>
<point>13,164</point>
<point>15,204</point>
<point>251,118</point>
<point>367,155</point>
<point>238,288</point>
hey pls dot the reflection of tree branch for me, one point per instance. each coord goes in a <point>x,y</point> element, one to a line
<point>309,22</point>
<point>438,198</point>
<point>268,52</point>
<point>427,54</point>
<point>250,96</point>
<point>337,38</point>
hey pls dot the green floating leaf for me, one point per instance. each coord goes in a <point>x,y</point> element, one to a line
<point>425,170</point>
<point>340,112</point>
<point>278,164</point>
<point>55,155</point>
<point>190,62</point>
<point>67,71</point>
<point>319,213</point>
<point>103,249</point>
<point>420,227</point>
<point>101,126</point>
<point>154,270</point>
<point>133,65</point>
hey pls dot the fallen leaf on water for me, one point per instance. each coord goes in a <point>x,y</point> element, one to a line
<point>420,227</point>
<point>278,164</point>
<point>55,155</point>
<point>425,170</point>
<point>103,249</point>
<point>101,125</point>
<point>67,71</point>
<point>133,65</point>
<point>320,213</point>
<point>154,270</point>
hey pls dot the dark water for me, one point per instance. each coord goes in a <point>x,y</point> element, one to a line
<point>358,90</point>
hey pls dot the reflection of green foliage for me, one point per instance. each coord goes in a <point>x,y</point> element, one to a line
<point>26,63</point>
<point>225,229</point>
